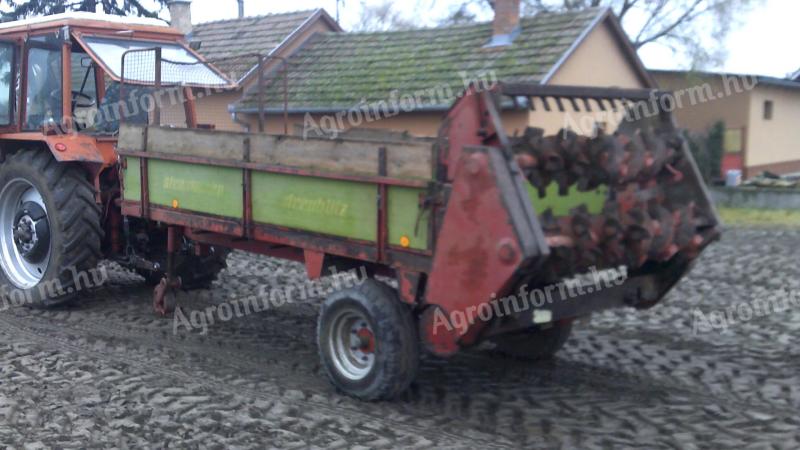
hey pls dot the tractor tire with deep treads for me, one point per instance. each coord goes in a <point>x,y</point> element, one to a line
<point>535,344</point>
<point>368,342</point>
<point>50,233</point>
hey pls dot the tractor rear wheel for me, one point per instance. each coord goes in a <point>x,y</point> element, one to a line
<point>368,342</point>
<point>50,233</point>
<point>534,344</point>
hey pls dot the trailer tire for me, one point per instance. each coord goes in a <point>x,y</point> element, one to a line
<point>535,344</point>
<point>367,341</point>
<point>50,233</point>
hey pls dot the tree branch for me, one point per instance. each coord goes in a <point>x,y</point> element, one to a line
<point>666,30</point>
<point>657,10</point>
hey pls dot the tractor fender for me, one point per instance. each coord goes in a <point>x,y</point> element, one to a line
<point>80,148</point>
<point>90,152</point>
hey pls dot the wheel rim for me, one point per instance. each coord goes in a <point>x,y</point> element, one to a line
<point>24,234</point>
<point>352,344</point>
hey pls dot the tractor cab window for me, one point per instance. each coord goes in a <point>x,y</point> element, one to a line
<point>44,102</point>
<point>84,91</point>
<point>6,83</point>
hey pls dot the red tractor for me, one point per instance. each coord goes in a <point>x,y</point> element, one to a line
<point>59,122</point>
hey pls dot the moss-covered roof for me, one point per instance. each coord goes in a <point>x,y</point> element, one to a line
<point>230,44</point>
<point>337,71</point>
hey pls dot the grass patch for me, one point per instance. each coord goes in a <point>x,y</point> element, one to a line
<point>782,218</point>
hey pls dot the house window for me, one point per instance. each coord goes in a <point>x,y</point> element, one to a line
<point>768,110</point>
<point>732,140</point>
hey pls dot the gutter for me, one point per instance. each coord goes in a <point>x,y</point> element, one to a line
<point>238,121</point>
<point>522,103</point>
<point>332,110</point>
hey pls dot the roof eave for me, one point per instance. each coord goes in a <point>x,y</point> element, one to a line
<point>572,48</point>
<point>761,80</point>
<point>320,13</point>
<point>604,15</point>
<point>519,105</point>
<point>324,109</point>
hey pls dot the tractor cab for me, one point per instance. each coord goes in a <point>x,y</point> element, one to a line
<point>87,73</point>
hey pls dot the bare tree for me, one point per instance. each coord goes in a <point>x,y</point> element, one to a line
<point>460,14</point>
<point>696,28</point>
<point>381,17</point>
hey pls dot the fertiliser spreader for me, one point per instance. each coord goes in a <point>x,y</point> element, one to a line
<point>479,229</point>
<point>461,223</point>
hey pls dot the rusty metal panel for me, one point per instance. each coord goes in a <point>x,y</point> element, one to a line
<point>486,237</point>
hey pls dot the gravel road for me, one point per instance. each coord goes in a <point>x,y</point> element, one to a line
<point>107,372</point>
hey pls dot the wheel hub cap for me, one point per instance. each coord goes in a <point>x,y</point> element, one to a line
<point>24,234</point>
<point>32,232</point>
<point>353,345</point>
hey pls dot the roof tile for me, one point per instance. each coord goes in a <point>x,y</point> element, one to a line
<point>337,71</point>
<point>225,43</point>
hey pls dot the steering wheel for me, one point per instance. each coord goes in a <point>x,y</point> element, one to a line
<point>76,95</point>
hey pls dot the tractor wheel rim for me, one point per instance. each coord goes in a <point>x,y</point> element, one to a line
<point>18,236</point>
<point>352,345</point>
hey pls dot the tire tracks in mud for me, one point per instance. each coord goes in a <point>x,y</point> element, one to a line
<point>64,338</point>
<point>248,359</point>
<point>671,352</point>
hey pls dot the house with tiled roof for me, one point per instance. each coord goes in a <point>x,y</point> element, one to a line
<point>234,45</point>
<point>423,70</point>
<point>760,115</point>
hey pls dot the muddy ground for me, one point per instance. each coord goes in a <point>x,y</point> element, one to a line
<point>108,373</point>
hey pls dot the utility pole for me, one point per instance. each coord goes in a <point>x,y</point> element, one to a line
<point>241,9</point>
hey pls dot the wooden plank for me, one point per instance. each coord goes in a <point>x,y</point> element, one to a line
<point>404,160</point>
<point>347,156</point>
<point>131,137</point>
<point>199,143</point>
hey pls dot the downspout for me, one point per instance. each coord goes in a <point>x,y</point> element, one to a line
<point>237,120</point>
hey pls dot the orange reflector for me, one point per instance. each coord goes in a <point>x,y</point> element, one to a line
<point>405,242</point>
<point>175,204</point>
<point>61,147</point>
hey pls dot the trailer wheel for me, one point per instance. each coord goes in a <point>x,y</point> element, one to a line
<point>50,230</point>
<point>368,342</point>
<point>536,344</point>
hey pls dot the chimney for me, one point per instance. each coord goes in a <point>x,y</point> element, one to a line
<point>180,15</point>
<point>505,26</point>
<point>241,9</point>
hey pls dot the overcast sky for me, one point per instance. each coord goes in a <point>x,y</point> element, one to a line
<point>766,44</point>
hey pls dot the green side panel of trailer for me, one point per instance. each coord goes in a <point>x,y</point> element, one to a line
<point>194,187</point>
<point>132,180</point>
<point>563,204</point>
<point>404,210</point>
<point>334,207</point>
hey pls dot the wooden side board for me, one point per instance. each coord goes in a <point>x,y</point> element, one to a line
<point>350,156</point>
